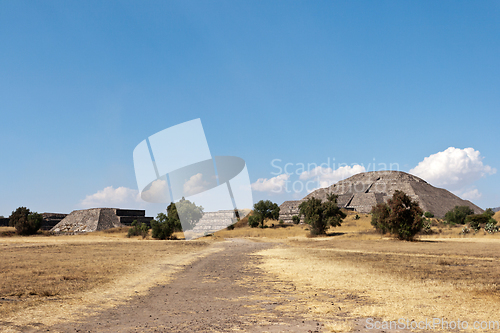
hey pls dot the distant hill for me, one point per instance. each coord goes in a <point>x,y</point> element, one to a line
<point>362,191</point>
<point>496,209</point>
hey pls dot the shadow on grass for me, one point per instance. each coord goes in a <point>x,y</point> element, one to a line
<point>333,234</point>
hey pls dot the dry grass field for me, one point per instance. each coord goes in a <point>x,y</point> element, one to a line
<point>389,279</point>
<point>45,279</point>
<point>355,273</point>
<point>350,274</point>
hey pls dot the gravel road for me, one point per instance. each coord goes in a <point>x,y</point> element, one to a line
<point>223,292</point>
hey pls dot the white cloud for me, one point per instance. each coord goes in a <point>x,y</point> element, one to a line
<point>195,185</point>
<point>274,185</point>
<point>473,194</point>
<point>111,197</point>
<point>157,192</point>
<point>454,169</point>
<point>123,197</point>
<point>327,176</point>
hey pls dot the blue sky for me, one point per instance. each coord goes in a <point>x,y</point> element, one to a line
<point>82,83</point>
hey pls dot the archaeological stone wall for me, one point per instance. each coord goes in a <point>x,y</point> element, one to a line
<point>4,222</point>
<point>50,220</point>
<point>95,219</point>
<point>213,221</point>
<point>288,209</point>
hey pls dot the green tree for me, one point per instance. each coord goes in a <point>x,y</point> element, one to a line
<point>163,226</point>
<point>266,210</point>
<point>380,215</point>
<point>428,214</point>
<point>138,230</point>
<point>489,212</point>
<point>187,212</point>
<point>172,212</point>
<point>401,216</point>
<point>253,221</point>
<point>25,222</point>
<point>295,219</point>
<point>458,214</point>
<point>319,215</point>
<point>476,220</point>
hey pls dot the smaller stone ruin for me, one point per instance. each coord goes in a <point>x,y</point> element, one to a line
<point>95,219</point>
<point>211,222</point>
<point>4,222</point>
<point>290,208</point>
<point>50,220</point>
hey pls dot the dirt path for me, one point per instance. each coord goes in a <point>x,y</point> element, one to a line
<point>223,292</point>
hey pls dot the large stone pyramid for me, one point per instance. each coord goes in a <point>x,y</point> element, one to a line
<point>95,219</point>
<point>362,191</point>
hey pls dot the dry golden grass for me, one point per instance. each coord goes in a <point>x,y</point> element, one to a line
<point>497,216</point>
<point>277,232</point>
<point>351,273</point>
<point>339,326</point>
<point>339,278</point>
<point>46,279</point>
<point>352,227</point>
<point>7,231</point>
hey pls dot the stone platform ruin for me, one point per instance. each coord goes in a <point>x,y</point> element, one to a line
<point>363,191</point>
<point>50,220</point>
<point>211,222</point>
<point>95,219</point>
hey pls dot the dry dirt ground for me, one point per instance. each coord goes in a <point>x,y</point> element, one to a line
<point>225,290</point>
<point>276,281</point>
<point>222,292</point>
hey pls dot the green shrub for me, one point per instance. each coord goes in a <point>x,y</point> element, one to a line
<point>489,212</point>
<point>380,214</point>
<point>476,220</point>
<point>172,213</point>
<point>295,219</point>
<point>426,229</point>
<point>230,227</point>
<point>458,214</point>
<point>138,230</point>
<point>163,226</point>
<point>253,221</point>
<point>356,217</point>
<point>491,226</point>
<point>401,216</point>
<point>281,222</point>
<point>428,215</point>
<point>25,222</point>
<point>319,215</point>
<point>189,212</point>
<point>266,209</point>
